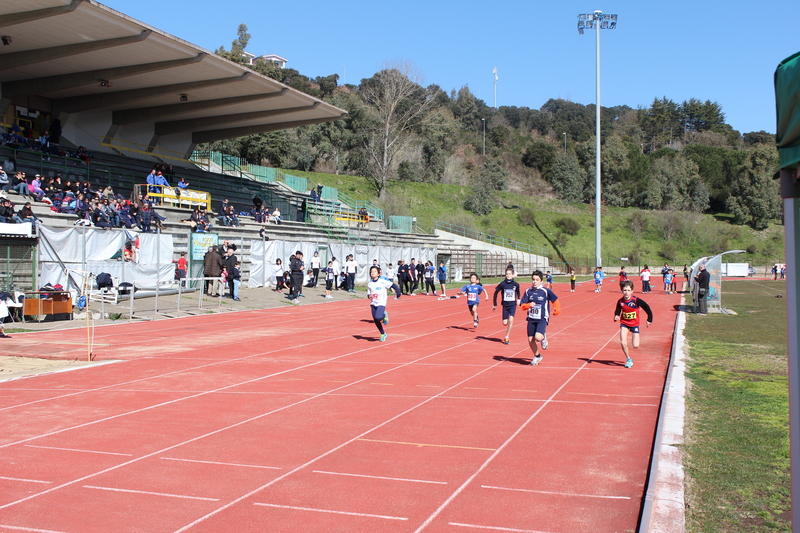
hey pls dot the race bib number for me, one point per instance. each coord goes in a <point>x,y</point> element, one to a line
<point>535,312</point>
<point>509,295</point>
<point>629,316</point>
<point>373,296</point>
<point>472,297</point>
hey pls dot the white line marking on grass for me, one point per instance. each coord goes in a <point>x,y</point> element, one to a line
<point>25,480</point>
<point>32,529</point>
<point>330,511</point>
<point>381,477</point>
<point>219,463</point>
<point>480,469</point>
<point>181,496</point>
<point>76,450</point>
<point>495,528</point>
<point>558,493</point>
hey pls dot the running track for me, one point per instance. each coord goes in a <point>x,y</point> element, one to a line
<point>295,419</point>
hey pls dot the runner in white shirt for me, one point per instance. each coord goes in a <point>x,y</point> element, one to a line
<point>377,292</point>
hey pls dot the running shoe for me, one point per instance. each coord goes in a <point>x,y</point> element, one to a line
<point>475,324</point>
<point>544,343</point>
<point>536,360</point>
<point>383,337</point>
<point>629,363</point>
<point>506,341</point>
<point>385,318</point>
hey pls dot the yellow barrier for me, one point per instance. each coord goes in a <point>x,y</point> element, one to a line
<point>175,196</point>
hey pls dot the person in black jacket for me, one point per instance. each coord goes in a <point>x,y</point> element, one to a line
<point>296,272</point>
<point>702,278</point>
<point>230,265</point>
<point>402,276</point>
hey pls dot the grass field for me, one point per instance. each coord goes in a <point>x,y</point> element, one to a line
<point>737,426</point>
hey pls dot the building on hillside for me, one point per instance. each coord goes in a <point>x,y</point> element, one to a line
<point>275,59</point>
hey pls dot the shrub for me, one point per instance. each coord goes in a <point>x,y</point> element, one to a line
<point>568,225</point>
<point>637,224</point>
<point>561,239</point>
<point>527,216</point>
<point>669,251</point>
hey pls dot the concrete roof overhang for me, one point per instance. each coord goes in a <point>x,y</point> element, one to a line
<point>84,57</point>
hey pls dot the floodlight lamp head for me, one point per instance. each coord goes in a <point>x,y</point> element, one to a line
<point>612,26</point>
<point>580,31</point>
<point>604,25</point>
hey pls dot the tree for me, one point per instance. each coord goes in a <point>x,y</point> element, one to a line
<point>676,185</point>
<point>395,106</point>
<point>539,154</point>
<point>237,46</point>
<point>567,177</point>
<point>754,198</point>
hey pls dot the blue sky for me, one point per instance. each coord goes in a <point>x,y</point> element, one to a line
<point>724,51</point>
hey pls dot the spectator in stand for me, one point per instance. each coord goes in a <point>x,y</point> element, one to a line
<point>161,180</point>
<point>313,195</point>
<point>82,207</point>
<point>199,222</point>
<point>276,216</point>
<point>35,187</point>
<point>111,210</point>
<point>70,190</point>
<point>151,181</point>
<point>7,215</point>
<point>5,183</point>
<point>99,218</point>
<point>230,216</point>
<point>145,217</point>
<point>125,215</point>
<point>26,214</point>
<point>21,184</point>
<point>84,155</point>
<point>183,184</point>
<point>363,217</point>
<point>55,130</point>
<point>108,193</point>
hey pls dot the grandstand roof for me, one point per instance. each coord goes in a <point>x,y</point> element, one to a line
<point>80,56</point>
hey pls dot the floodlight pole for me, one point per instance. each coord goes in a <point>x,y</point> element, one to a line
<point>597,20</point>
<point>484,135</point>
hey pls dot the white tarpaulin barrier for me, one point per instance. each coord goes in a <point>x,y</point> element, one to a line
<point>86,249</point>
<point>263,255</point>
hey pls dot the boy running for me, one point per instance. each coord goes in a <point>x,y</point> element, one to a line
<point>572,279</point>
<point>511,296</point>
<point>536,301</point>
<point>377,294</point>
<point>627,314</point>
<point>623,276</point>
<point>473,292</point>
<point>598,279</point>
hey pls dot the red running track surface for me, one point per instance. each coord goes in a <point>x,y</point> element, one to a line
<point>297,420</point>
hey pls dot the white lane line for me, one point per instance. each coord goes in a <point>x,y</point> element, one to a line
<point>32,529</point>
<point>559,493</point>
<point>76,450</point>
<point>330,511</point>
<point>352,440</point>
<point>219,463</point>
<point>25,480</point>
<point>181,496</point>
<point>258,417</point>
<point>486,463</point>
<point>381,477</point>
<point>495,528</point>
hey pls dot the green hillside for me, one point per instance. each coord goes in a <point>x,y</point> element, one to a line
<point>644,236</point>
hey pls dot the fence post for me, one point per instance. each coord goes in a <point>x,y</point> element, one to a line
<point>130,296</point>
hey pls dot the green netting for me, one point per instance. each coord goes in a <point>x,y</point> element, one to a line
<point>787,99</point>
<point>400,224</point>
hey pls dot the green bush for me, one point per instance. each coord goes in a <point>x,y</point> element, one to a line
<point>669,251</point>
<point>568,225</point>
<point>527,216</point>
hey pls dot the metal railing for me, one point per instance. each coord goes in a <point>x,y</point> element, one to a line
<point>491,239</point>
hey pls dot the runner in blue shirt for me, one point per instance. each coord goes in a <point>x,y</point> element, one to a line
<point>536,301</point>
<point>473,292</point>
<point>441,275</point>
<point>598,279</point>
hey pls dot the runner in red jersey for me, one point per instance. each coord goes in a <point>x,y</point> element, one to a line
<point>627,313</point>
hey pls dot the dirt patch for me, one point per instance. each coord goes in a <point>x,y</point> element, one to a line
<point>12,367</point>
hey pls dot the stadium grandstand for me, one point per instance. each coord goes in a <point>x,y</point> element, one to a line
<point>101,100</point>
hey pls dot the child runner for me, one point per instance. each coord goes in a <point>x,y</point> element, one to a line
<point>549,280</point>
<point>674,284</point>
<point>627,314</point>
<point>623,276</point>
<point>511,295</point>
<point>441,274</point>
<point>536,301</point>
<point>668,281</point>
<point>473,292</point>
<point>598,279</point>
<point>572,279</point>
<point>377,294</point>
